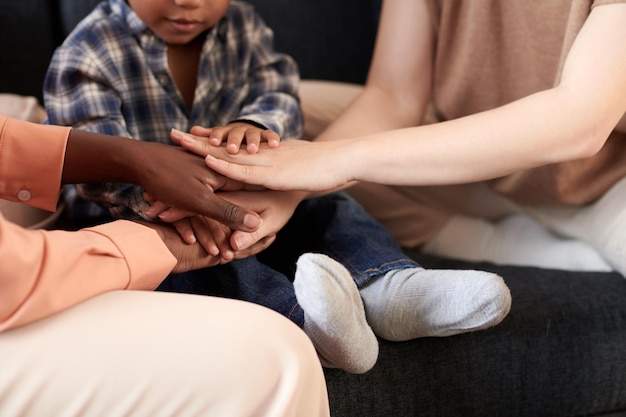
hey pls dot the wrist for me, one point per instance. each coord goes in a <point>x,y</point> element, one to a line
<point>92,157</point>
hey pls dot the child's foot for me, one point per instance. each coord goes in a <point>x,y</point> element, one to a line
<point>334,316</point>
<point>415,302</point>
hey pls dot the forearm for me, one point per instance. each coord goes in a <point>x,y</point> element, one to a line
<point>398,85</point>
<point>92,157</point>
<point>374,110</point>
<point>570,121</point>
<point>30,162</point>
<point>50,271</point>
<point>544,128</point>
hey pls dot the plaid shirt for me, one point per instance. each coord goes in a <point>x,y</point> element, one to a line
<point>111,76</point>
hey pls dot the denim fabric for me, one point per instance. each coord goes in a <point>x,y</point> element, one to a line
<point>334,225</point>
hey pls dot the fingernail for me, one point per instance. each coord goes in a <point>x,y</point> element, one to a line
<point>239,242</point>
<point>177,134</point>
<point>251,221</point>
<point>182,136</point>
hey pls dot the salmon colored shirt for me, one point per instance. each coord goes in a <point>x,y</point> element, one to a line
<point>44,272</point>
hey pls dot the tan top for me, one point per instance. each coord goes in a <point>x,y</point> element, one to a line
<point>43,272</point>
<point>479,66</point>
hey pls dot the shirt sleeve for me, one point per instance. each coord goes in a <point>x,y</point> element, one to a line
<point>35,179</point>
<point>44,272</point>
<point>273,98</point>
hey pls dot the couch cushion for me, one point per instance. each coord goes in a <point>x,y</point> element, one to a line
<point>71,12</point>
<point>560,352</point>
<point>29,36</point>
<point>314,33</point>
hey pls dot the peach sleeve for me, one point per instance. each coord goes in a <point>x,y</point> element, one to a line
<point>31,162</point>
<point>44,272</point>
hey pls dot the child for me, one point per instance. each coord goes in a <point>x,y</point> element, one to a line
<point>142,67</point>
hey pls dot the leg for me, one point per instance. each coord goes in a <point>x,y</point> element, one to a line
<point>514,240</point>
<point>155,354</point>
<point>245,279</point>
<point>322,303</point>
<point>471,222</point>
<point>602,224</point>
<point>402,300</point>
<point>413,215</point>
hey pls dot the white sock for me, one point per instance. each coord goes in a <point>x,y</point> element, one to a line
<point>409,303</point>
<point>334,316</point>
<point>515,240</point>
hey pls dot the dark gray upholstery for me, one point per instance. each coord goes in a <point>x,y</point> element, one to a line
<point>560,352</point>
<point>29,32</point>
<point>314,35</point>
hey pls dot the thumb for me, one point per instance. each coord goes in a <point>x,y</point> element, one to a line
<point>243,240</point>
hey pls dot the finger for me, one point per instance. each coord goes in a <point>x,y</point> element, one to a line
<point>172,215</point>
<point>156,209</point>
<point>148,197</point>
<point>243,173</point>
<point>253,140</point>
<point>201,131</point>
<point>196,144</point>
<point>204,235</point>
<point>185,231</point>
<point>243,240</point>
<point>258,247</point>
<point>219,135</point>
<point>234,139</point>
<point>229,214</point>
<point>221,235</point>
<point>271,137</point>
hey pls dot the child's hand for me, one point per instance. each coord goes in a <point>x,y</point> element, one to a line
<point>212,235</point>
<point>235,134</point>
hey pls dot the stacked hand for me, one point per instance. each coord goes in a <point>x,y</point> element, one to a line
<point>275,209</point>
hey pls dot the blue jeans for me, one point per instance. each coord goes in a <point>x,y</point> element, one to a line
<point>334,225</point>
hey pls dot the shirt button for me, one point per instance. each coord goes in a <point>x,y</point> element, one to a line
<point>24,195</point>
<point>164,79</point>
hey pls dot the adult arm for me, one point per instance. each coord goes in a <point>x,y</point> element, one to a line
<point>94,104</point>
<point>567,122</point>
<point>83,89</point>
<point>43,272</point>
<point>169,174</point>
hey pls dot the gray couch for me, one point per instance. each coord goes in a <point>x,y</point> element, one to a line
<point>560,352</point>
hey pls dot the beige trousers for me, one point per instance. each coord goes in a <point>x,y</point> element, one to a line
<point>134,353</point>
<point>595,235</point>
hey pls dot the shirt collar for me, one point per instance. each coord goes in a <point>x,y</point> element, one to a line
<point>121,9</point>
